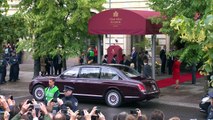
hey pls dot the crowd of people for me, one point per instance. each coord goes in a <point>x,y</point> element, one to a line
<point>54,107</point>
<point>51,65</point>
<point>34,110</point>
<point>135,60</point>
<point>140,61</point>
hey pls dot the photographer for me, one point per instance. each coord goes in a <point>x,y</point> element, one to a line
<point>4,109</point>
<point>138,115</point>
<point>27,109</point>
<point>7,107</point>
<point>3,104</point>
<point>94,114</point>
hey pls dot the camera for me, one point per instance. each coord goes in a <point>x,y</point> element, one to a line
<point>135,111</point>
<point>56,109</point>
<point>29,102</point>
<point>54,100</point>
<point>97,111</point>
<point>11,97</point>
<point>31,107</point>
<point>36,106</point>
<point>64,111</point>
<point>81,113</point>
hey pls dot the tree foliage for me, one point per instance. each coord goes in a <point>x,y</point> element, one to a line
<point>12,27</point>
<point>199,32</point>
<point>4,8</point>
<point>57,26</point>
<point>192,52</point>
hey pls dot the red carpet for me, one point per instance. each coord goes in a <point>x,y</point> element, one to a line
<point>169,81</point>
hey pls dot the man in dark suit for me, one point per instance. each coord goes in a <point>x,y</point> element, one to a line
<point>163,60</point>
<point>134,57</point>
<point>14,67</point>
<point>105,59</point>
<point>114,61</point>
<point>57,63</point>
<point>147,71</point>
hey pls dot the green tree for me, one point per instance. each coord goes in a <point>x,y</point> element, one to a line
<point>199,32</point>
<point>4,8</point>
<point>12,27</point>
<point>191,53</point>
<point>57,27</point>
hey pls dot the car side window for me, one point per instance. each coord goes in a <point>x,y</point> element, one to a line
<point>89,72</point>
<point>107,73</point>
<point>73,73</point>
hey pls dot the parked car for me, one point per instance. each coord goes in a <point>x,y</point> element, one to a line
<point>113,83</point>
<point>204,104</point>
<point>206,99</point>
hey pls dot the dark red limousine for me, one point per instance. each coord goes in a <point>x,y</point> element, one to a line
<point>112,83</point>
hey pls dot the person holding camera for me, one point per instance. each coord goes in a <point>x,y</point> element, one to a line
<point>4,108</point>
<point>27,109</point>
<point>51,92</point>
<point>7,107</point>
<point>138,114</point>
<point>94,114</point>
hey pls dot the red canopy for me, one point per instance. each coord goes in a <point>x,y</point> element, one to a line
<point>120,21</point>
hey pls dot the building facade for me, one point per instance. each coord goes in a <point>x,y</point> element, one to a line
<point>126,42</point>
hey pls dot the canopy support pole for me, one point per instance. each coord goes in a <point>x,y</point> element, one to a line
<point>153,55</point>
<point>99,49</point>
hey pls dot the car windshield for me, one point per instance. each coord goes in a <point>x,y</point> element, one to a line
<point>129,72</point>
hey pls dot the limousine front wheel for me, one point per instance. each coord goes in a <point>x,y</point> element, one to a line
<point>38,92</point>
<point>113,98</point>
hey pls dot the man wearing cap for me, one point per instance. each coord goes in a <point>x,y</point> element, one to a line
<point>68,97</point>
<point>210,109</point>
<point>51,92</point>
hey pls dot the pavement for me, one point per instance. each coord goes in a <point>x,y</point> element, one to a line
<point>188,95</point>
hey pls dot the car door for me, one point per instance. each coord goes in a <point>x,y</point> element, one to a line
<point>88,83</point>
<point>68,78</point>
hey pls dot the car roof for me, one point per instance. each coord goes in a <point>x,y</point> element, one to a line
<point>99,65</point>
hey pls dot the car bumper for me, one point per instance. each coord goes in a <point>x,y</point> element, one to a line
<point>152,96</point>
<point>143,96</point>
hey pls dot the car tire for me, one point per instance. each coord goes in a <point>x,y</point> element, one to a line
<point>38,92</point>
<point>113,98</point>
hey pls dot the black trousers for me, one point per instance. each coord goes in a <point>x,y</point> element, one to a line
<point>14,72</point>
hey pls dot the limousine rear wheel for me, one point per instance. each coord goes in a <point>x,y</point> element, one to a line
<point>38,92</point>
<point>113,98</point>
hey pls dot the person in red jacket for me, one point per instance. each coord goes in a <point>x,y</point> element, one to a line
<point>176,71</point>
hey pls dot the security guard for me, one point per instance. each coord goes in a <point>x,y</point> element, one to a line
<point>51,92</point>
<point>14,67</point>
<point>68,97</point>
